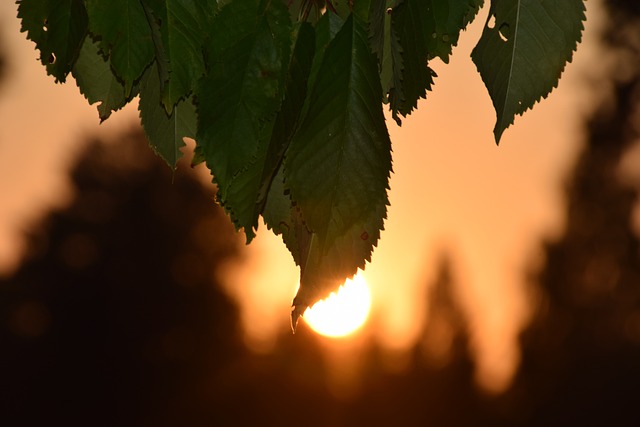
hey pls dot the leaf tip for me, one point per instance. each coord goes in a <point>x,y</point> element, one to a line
<point>497,133</point>
<point>297,311</point>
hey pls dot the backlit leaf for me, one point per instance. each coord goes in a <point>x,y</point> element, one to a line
<point>183,28</point>
<point>165,131</point>
<point>338,164</point>
<point>240,95</point>
<point>125,36</point>
<point>96,80</point>
<point>58,27</point>
<point>420,31</point>
<point>412,78</point>
<point>523,50</point>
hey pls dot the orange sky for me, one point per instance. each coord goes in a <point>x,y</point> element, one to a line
<point>452,189</point>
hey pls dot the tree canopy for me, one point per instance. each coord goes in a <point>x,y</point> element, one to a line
<point>285,99</point>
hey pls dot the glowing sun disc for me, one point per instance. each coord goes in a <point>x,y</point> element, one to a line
<point>343,312</point>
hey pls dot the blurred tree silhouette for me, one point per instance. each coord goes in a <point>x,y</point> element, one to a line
<point>117,310</point>
<point>581,363</point>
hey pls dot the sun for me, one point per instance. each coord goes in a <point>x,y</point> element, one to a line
<point>343,312</point>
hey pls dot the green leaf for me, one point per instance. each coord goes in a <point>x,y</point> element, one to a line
<point>287,119</point>
<point>183,27</point>
<point>96,80</point>
<point>412,77</point>
<point>165,131</point>
<point>523,51</point>
<point>239,97</point>
<point>284,219</point>
<point>445,21</point>
<point>58,27</point>
<point>248,190</point>
<point>326,29</point>
<point>125,36</point>
<point>338,164</point>
<point>420,31</point>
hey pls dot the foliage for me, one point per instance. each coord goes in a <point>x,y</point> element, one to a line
<point>285,98</point>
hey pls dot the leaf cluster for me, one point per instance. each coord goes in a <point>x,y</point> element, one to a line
<point>285,98</point>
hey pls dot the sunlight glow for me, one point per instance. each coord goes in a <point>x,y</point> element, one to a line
<point>342,313</point>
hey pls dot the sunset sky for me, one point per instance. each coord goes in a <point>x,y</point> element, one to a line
<point>452,190</point>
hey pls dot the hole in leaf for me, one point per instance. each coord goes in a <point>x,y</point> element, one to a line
<point>364,235</point>
<point>492,21</point>
<point>504,31</point>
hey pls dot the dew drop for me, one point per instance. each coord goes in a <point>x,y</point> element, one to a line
<point>445,38</point>
<point>364,235</point>
<point>52,58</point>
<point>434,35</point>
<point>389,10</point>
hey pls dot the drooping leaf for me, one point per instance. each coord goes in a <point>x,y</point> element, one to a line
<point>248,189</point>
<point>326,29</point>
<point>183,26</point>
<point>58,27</point>
<point>286,121</point>
<point>378,33</point>
<point>238,98</point>
<point>165,131</point>
<point>420,31</point>
<point>412,77</point>
<point>523,50</point>
<point>338,164</point>
<point>278,212</point>
<point>391,73</point>
<point>445,21</point>
<point>125,36</point>
<point>284,219</point>
<point>96,80</point>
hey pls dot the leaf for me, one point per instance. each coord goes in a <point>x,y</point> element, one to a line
<point>284,219</point>
<point>412,77</point>
<point>445,21</point>
<point>523,50</point>
<point>248,190</point>
<point>58,27</point>
<point>326,29</point>
<point>125,36</point>
<point>165,131</point>
<point>182,26</point>
<point>286,121</point>
<point>238,98</point>
<point>377,30</point>
<point>420,31</point>
<point>338,164</point>
<point>96,80</point>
